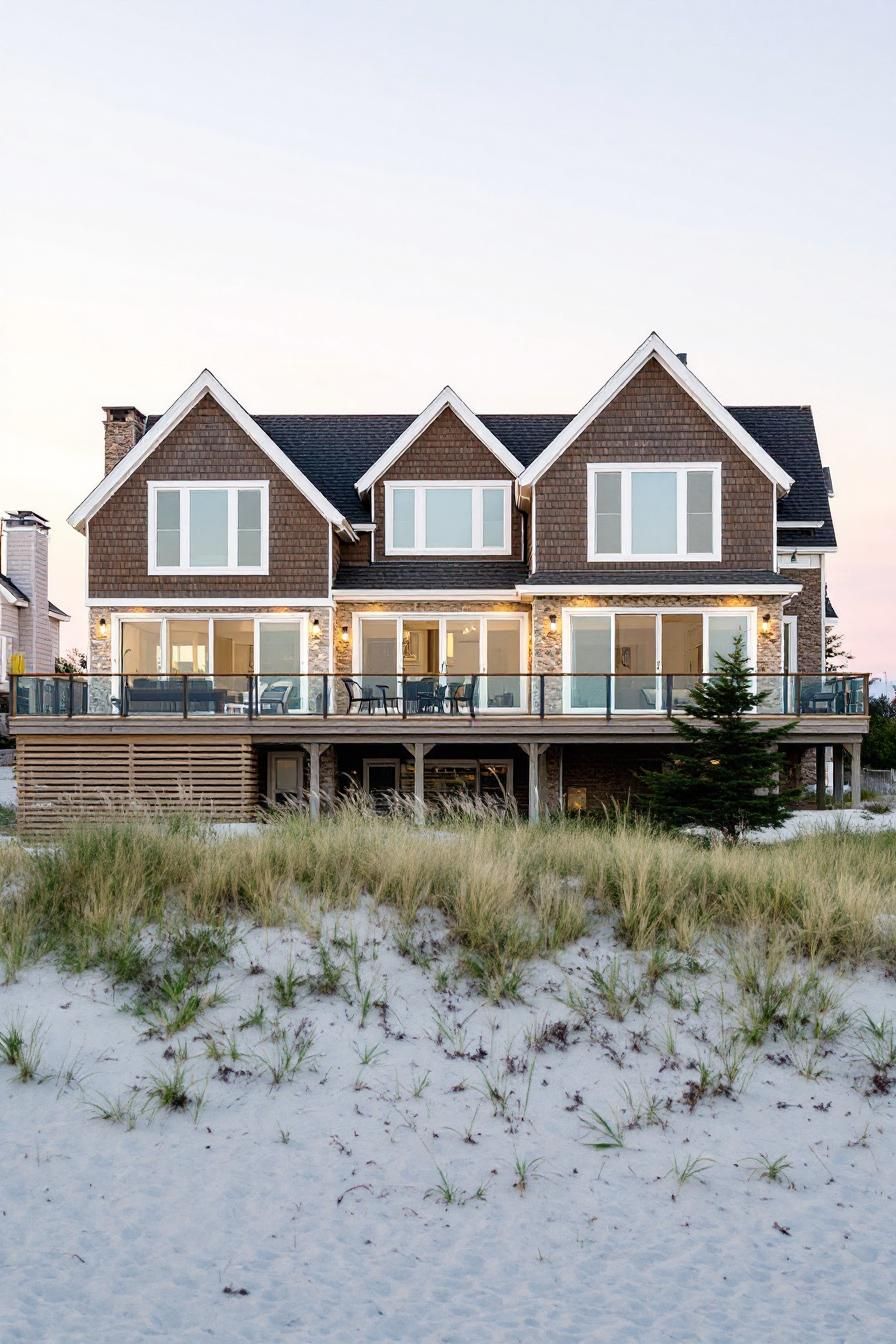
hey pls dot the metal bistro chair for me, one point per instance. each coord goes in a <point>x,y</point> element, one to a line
<point>362,696</point>
<point>461,695</point>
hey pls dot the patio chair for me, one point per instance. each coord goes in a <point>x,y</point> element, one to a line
<point>462,695</point>
<point>362,696</point>
<point>274,697</point>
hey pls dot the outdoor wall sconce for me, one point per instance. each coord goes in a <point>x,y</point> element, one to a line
<point>103,628</point>
<point>344,634</point>
<point>552,623</point>
<point>766,623</point>
<point>315,628</point>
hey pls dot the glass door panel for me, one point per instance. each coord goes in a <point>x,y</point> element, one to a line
<point>461,661</point>
<point>141,648</point>
<point>233,644</point>
<point>721,632</point>
<point>589,661</point>
<point>502,688</point>
<point>188,646</point>
<point>635,664</point>
<point>682,655</point>
<point>280,687</point>
<point>420,664</point>
<point>379,656</point>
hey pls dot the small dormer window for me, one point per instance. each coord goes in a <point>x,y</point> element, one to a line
<point>448,518</point>
<point>208,527</point>
<point>661,511</point>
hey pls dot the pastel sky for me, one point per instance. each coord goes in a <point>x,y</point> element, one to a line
<point>343,206</point>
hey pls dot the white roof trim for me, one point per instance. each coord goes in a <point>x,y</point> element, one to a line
<point>12,597</point>
<point>788,526</point>
<point>656,348</point>
<point>660,589</point>
<point>446,398</point>
<point>205,384</point>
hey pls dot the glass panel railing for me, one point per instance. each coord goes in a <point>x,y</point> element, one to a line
<point>268,695</point>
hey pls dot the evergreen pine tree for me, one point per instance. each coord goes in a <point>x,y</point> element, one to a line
<point>724,773</point>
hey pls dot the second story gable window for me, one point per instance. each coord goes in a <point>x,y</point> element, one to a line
<point>667,511</point>
<point>448,518</point>
<point>208,527</point>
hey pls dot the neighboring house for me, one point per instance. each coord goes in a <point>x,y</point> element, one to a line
<point>29,621</point>
<point>286,606</point>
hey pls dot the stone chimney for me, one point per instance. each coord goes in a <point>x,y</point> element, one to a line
<point>124,425</point>
<point>27,555</point>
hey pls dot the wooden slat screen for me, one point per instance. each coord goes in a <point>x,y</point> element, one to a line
<point>60,780</point>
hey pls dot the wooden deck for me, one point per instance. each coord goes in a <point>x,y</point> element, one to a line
<point>430,729</point>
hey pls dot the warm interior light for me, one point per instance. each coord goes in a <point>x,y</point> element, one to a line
<point>766,623</point>
<point>714,762</point>
<point>552,623</point>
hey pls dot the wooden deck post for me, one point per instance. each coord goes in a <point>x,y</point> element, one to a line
<point>820,778</point>
<point>855,774</point>
<point>313,749</point>
<point>838,775</point>
<point>536,751</point>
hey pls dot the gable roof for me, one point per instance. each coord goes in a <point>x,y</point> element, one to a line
<point>788,434</point>
<point>656,348</point>
<point>447,399</point>
<point>205,385</point>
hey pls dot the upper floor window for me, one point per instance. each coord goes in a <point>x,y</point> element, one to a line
<point>448,518</point>
<point>212,527</point>
<point>668,511</point>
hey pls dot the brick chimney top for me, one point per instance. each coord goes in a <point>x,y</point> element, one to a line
<point>124,425</point>
<point>27,518</point>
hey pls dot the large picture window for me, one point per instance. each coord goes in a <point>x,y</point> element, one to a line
<point>208,527</point>
<point>655,512</point>
<point>448,518</point>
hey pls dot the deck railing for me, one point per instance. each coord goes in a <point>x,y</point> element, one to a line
<point>261,695</point>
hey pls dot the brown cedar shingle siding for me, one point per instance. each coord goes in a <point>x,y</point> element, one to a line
<point>445,451</point>
<point>207,445</point>
<point>652,420</point>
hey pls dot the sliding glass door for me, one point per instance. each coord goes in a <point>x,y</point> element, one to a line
<point>642,648</point>
<point>440,655</point>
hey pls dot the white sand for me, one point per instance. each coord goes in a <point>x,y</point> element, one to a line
<point>116,1235</point>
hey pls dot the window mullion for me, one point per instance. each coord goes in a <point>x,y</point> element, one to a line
<point>681,521</point>
<point>184,527</point>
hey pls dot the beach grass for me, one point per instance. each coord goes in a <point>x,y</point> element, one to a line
<point>508,891</point>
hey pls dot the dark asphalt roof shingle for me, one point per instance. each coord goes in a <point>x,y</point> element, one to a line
<point>333,451</point>
<point>422,574</point>
<point>11,587</point>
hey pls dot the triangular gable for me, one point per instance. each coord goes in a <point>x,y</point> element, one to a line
<point>447,398</point>
<point>656,348</point>
<point>205,385</point>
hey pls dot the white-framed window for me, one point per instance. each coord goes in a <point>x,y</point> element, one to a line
<point>208,527</point>
<point>655,511</point>
<point>448,518</point>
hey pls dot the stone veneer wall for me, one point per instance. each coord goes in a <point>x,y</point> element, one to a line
<point>807,608</point>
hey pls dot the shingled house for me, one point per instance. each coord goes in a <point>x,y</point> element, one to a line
<point>284,607</point>
<point>29,621</point>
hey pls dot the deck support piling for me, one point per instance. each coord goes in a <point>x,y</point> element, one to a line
<point>536,751</point>
<point>314,749</point>
<point>838,775</point>
<point>855,774</point>
<point>820,778</point>
<point>419,751</point>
